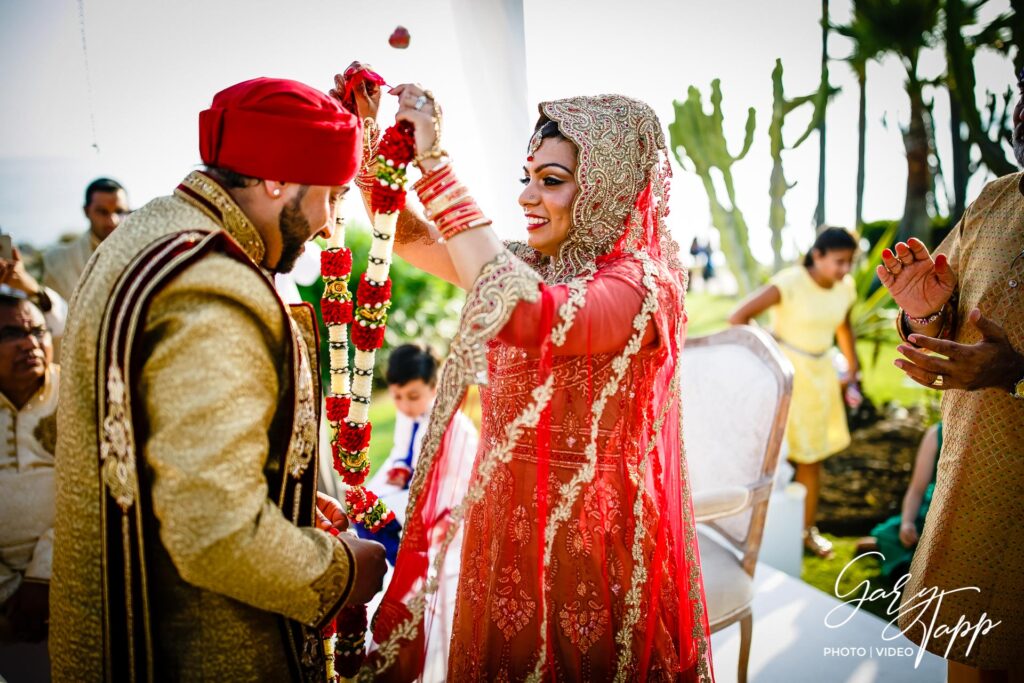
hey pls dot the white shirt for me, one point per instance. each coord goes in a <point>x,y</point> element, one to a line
<point>27,492</point>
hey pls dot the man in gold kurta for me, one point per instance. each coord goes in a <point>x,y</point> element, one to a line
<point>963,325</point>
<point>186,547</point>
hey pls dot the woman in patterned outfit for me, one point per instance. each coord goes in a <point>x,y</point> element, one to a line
<point>580,555</point>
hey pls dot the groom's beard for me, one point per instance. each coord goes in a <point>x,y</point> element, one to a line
<point>295,232</point>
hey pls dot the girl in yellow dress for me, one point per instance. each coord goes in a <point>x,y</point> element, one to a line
<point>810,306</point>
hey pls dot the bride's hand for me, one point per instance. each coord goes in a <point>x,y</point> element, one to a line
<point>364,99</point>
<point>417,106</point>
<point>919,284</point>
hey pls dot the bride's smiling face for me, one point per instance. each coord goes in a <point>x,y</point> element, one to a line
<point>547,198</point>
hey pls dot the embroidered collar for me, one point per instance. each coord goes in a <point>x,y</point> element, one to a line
<point>207,195</point>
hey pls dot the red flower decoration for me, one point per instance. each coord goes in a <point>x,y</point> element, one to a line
<point>385,200</point>
<point>353,438</point>
<point>368,295</point>
<point>398,143</point>
<point>367,338</point>
<point>336,312</point>
<point>336,262</point>
<point>352,478</point>
<point>337,408</point>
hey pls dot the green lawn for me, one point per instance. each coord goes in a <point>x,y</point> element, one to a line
<point>382,417</point>
<point>822,574</point>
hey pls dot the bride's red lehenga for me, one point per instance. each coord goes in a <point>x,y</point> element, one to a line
<point>579,558</point>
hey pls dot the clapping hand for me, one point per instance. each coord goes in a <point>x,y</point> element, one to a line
<point>919,284</point>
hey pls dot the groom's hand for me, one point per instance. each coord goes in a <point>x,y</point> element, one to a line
<point>364,98</point>
<point>371,565</point>
<point>329,513</point>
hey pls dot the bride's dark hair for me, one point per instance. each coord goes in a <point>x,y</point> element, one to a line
<point>548,129</point>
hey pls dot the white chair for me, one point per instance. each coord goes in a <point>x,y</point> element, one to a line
<point>736,387</point>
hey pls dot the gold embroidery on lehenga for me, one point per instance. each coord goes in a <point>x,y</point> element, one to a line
<point>584,620</point>
<point>601,513</point>
<point>570,491</point>
<point>502,283</point>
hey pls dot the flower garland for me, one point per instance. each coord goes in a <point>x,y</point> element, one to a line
<point>348,403</point>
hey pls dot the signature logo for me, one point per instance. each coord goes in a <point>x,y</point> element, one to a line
<point>922,609</point>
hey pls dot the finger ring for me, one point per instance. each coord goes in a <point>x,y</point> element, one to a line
<point>902,262</point>
<point>420,101</point>
<point>938,381</point>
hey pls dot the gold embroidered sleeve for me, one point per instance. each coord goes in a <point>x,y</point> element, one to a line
<point>209,385</point>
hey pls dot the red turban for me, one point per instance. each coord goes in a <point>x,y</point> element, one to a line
<point>277,129</point>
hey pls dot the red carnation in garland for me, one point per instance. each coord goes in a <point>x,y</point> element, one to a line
<point>336,312</point>
<point>352,479</point>
<point>398,143</point>
<point>337,407</point>
<point>367,338</point>
<point>336,262</point>
<point>398,146</point>
<point>385,200</point>
<point>368,295</point>
<point>353,438</point>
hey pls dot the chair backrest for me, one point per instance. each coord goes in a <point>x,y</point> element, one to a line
<point>735,387</point>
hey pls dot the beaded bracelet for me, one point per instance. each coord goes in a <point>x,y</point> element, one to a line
<point>435,153</point>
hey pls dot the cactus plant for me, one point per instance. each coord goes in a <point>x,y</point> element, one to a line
<point>698,137</point>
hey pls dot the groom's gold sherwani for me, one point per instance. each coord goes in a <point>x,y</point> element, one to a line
<point>186,463</point>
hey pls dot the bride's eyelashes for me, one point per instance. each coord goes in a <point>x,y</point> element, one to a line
<point>549,181</point>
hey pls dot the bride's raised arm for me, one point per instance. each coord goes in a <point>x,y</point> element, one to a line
<point>416,240</point>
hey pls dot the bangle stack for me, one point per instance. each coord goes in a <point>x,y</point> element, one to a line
<point>448,204</point>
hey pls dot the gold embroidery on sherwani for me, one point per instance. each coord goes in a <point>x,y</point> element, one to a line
<point>116,449</point>
<point>205,624</point>
<point>118,468</point>
<point>231,217</point>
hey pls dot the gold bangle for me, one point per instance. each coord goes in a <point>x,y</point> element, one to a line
<point>435,153</point>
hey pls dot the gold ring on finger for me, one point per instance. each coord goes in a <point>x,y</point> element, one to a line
<point>938,381</point>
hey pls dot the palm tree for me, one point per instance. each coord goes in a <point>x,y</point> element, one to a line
<point>904,28</point>
<point>965,117</point>
<point>866,48</point>
<point>820,105</point>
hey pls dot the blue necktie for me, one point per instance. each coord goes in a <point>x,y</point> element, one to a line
<point>408,456</point>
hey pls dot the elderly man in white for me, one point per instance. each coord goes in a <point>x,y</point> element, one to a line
<point>28,404</point>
